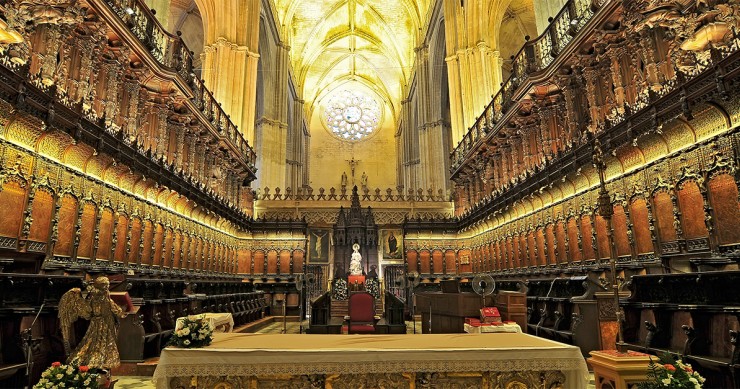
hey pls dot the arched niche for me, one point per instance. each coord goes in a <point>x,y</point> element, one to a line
<point>137,230</point>
<point>587,239</point>
<point>272,257</point>
<point>641,226</point>
<point>437,261</point>
<point>723,195</point>
<point>158,244</point>
<point>147,254</point>
<point>258,262</point>
<point>42,212</point>
<point>105,234</point>
<point>298,259</point>
<point>412,260</point>
<point>66,222</point>
<point>450,262</point>
<point>87,230</point>
<point>285,262</point>
<point>122,238</point>
<point>425,265</point>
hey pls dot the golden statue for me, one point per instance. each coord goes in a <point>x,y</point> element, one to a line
<point>98,347</point>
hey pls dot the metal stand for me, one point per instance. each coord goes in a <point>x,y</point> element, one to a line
<point>285,318</point>
<point>27,337</point>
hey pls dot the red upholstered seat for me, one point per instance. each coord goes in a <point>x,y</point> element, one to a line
<point>361,313</point>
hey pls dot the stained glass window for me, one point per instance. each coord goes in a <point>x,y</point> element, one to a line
<point>352,115</point>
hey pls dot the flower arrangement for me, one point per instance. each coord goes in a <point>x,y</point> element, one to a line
<point>671,372</point>
<point>192,333</point>
<point>68,376</point>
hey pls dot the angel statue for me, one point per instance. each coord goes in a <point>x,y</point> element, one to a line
<point>98,347</point>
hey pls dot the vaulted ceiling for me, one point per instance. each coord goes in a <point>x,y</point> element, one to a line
<point>338,42</point>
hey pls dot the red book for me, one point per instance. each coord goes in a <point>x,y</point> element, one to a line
<point>490,315</point>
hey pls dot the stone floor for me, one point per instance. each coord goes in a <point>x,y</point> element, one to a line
<point>273,328</point>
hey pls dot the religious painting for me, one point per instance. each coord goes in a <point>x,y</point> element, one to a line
<point>392,244</point>
<point>318,245</point>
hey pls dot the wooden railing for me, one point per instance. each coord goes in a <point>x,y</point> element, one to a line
<point>535,56</point>
<point>172,53</point>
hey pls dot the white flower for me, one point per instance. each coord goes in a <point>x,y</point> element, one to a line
<point>59,376</point>
<point>61,385</point>
<point>185,331</point>
<point>666,381</point>
<point>186,342</point>
<point>87,382</point>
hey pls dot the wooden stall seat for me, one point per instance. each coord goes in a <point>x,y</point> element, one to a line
<point>557,309</point>
<point>694,315</point>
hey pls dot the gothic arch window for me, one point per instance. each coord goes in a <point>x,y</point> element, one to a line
<point>352,115</point>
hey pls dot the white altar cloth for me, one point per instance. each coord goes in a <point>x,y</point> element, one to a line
<point>220,322</point>
<point>506,327</point>
<point>234,354</point>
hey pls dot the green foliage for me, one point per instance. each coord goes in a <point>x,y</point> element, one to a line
<point>671,372</point>
<point>68,376</point>
<point>193,333</point>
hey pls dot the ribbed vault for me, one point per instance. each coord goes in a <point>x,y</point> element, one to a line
<point>335,43</point>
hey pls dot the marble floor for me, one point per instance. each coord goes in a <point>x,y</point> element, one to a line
<point>273,328</point>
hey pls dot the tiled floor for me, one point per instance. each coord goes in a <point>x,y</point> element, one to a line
<point>273,328</point>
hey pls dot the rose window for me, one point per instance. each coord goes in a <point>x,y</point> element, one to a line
<point>352,115</point>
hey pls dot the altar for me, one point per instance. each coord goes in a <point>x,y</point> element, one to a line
<point>389,361</point>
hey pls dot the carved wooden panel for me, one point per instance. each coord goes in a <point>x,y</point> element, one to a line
<point>551,240</point>
<point>574,250</point>
<point>12,200</point>
<point>411,259</point>
<point>663,214</point>
<point>146,252</point>
<point>691,204</point>
<point>723,193</point>
<point>464,267</point>
<point>272,257</point>
<point>511,254</point>
<point>285,262</point>
<point>298,261</point>
<point>425,256</point>
<point>41,212</point>
<point>602,239</point>
<point>197,247</point>
<point>135,254</point>
<point>168,244</point>
<point>158,243</point>
<point>186,244</point>
<point>531,247</point>
<point>560,234</point>
<point>177,247</point>
<point>523,255</point>
<point>259,262</point>
<point>541,254</point>
<point>87,230</point>
<point>121,239</point>
<point>67,217</point>
<point>105,234</point>
<point>621,239</point>
<point>244,260</point>
<point>587,240</point>
<point>641,226</point>
<point>438,261</point>
<point>450,262</point>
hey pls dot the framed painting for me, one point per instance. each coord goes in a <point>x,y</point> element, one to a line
<point>318,245</point>
<point>392,244</point>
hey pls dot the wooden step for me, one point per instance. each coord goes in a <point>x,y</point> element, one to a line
<point>340,308</point>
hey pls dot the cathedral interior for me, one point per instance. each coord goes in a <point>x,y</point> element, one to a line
<point>233,155</point>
